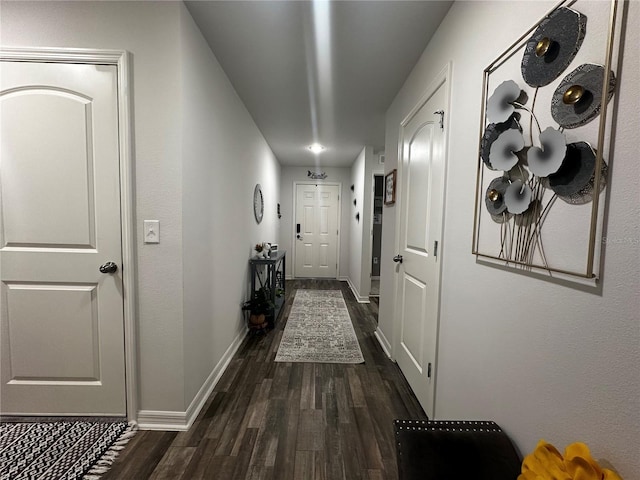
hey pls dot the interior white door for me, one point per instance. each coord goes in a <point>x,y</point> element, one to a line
<point>316,252</point>
<point>61,317</point>
<point>423,170</point>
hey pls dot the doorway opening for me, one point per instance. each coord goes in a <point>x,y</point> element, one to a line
<point>376,234</point>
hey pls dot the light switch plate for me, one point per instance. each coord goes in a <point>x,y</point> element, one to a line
<point>152,231</point>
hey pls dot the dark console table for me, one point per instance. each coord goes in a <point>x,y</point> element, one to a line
<point>268,273</point>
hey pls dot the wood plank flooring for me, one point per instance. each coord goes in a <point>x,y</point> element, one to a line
<point>287,421</point>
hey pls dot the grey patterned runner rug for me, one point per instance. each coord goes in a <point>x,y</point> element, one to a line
<point>60,450</point>
<point>319,329</point>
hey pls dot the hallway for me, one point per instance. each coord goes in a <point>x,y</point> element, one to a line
<point>279,421</point>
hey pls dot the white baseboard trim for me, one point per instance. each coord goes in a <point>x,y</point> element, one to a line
<point>359,298</point>
<point>343,279</point>
<point>162,420</point>
<point>182,421</point>
<point>384,343</point>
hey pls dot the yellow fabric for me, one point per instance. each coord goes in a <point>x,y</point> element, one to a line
<point>577,449</point>
<point>529,475</point>
<point>579,461</point>
<point>546,463</point>
<point>610,475</point>
<point>581,469</point>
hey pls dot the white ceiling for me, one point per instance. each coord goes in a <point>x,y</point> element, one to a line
<point>317,71</point>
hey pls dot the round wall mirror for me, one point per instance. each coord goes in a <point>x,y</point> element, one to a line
<point>258,203</point>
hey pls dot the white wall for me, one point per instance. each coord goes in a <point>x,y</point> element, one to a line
<point>291,174</point>
<point>362,170</point>
<point>197,158</point>
<point>356,227</point>
<point>544,359</point>
<point>224,155</point>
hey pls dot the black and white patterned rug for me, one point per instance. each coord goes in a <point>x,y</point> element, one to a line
<point>68,450</point>
<point>319,329</point>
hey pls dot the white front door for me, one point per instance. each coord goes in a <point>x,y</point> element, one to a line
<point>61,317</point>
<point>423,169</point>
<point>316,224</point>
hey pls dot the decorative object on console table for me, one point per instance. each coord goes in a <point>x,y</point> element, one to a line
<point>267,291</point>
<point>263,250</point>
<point>390,187</point>
<point>543,152</point>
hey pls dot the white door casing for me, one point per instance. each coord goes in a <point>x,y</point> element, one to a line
<point>66,210</point>
<point>422,163</point>
<point>316,245</point>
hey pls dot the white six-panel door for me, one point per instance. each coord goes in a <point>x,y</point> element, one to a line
<point>61,318</point>
<point>316,249</point>
<point>423,173</point>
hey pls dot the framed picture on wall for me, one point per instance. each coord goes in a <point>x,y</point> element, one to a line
<point>390,187</point>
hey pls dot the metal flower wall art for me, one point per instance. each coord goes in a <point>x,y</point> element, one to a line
<point>316,175</point>
<point>532,150</point>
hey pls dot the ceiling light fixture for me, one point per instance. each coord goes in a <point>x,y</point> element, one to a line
<point>316,148</point>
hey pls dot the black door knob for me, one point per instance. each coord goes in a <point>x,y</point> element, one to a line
<point>109,267</point>
<point>397,259</point>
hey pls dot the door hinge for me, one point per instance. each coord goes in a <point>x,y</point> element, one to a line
<point>441,113</point>
<point>435,248</point>
<point>429,371</point>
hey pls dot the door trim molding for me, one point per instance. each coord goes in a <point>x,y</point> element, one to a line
<point>444,76</point>
<point>121,59</point>
<point>293,221</point>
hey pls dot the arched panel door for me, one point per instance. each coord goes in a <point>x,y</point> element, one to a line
<point>422,201</point>
<point>62,301</point>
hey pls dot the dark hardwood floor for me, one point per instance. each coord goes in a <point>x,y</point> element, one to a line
<point>287,421</point>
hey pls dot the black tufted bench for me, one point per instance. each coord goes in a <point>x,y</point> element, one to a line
<point>454,450</point>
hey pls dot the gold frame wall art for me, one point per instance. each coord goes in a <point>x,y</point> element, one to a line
<point>545,135</point>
